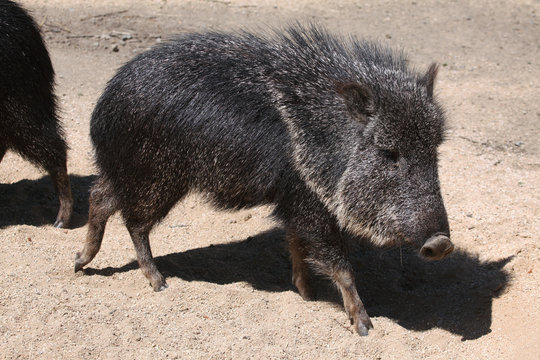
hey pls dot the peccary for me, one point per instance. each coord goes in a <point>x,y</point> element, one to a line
<point>338,133</point>
<point>28,121</point>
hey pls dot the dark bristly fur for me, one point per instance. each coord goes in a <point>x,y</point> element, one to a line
<point>339,134</point>
<point>28,121</point>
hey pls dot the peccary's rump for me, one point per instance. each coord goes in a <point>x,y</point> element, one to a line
<point>28,121</point>
<point>340,134</point>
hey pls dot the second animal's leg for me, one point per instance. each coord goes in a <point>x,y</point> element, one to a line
<point>39,138</point>
<point>54,160</point>
<point>3,150</point>
<point>62,186</point>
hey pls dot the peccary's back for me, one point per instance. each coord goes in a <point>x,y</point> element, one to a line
<point>230,115</point>
<point>193,114</point>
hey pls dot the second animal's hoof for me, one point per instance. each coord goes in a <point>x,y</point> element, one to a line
<point>62,219</point>
<point>58,224</point>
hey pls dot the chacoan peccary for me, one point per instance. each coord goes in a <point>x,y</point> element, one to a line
<point>28,119</point>
<point>341,135</point>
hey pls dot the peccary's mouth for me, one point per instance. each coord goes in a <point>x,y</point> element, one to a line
<point>437,247</point>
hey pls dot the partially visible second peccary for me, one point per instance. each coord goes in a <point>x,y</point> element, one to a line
<point>339,134</point>
<point>28,120</point>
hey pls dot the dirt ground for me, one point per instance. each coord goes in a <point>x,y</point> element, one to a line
<point>229,294</point>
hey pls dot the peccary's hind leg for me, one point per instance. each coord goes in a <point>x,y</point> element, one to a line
<point>300,268</point>
<point>150,203</point>
<point>102,206</point>
<point>145,259</point>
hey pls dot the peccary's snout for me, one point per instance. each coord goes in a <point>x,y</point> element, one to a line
<point>437,247</point>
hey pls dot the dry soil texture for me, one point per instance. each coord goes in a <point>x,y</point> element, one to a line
<point>229,273</point>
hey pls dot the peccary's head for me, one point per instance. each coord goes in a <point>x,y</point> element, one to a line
<point>390,189</point>
<point>365,129</point>
<point>368,148</point>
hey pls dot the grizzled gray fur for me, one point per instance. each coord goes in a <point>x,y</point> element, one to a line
<point>28,121</point>
<point>340,134</point>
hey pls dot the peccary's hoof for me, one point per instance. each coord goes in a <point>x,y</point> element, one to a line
<point>307,293</point>
<point>363,325</point>
<point>362,330</point>
<point>79,264</point>
<point>309,296</point>
<point>160,287</point>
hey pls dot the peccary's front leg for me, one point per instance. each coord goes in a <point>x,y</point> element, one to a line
<point>331,258</point>
<point>300,269</point>
<point>316,239</point>
<point>344,280</point>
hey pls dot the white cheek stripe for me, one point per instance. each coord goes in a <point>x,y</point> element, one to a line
<point>334,202</point>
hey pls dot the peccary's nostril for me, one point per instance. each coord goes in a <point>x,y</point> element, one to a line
<point>437,247</point>
<point>427,252</point>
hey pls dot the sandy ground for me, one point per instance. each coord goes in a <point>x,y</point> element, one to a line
<point>229,294</point>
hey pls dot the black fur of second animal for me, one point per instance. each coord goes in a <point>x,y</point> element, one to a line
<point>29,123</point>
<point>340,134</point>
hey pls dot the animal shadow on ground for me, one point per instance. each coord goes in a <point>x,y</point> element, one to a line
<point>34,202</point>
<point>454,294</point>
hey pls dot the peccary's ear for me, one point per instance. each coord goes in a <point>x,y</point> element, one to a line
<point>358,98</point>
<point>428,80</point>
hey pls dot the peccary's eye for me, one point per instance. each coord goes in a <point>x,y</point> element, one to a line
<point>391,155</point>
